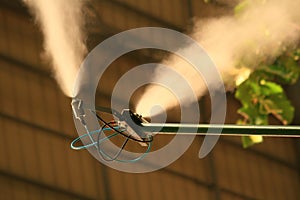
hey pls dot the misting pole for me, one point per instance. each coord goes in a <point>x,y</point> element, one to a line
<point>139,125</point>
<point>224,129</point>
<point>142,125</point>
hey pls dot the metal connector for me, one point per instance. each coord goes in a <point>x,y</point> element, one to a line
<point>131,122</point>
<point>78,111</point>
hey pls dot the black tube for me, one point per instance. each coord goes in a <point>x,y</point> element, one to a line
<point>226,129</point>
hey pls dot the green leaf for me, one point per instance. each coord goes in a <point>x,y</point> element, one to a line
<point>280,107</point>
<point>269,88</point>
<point>247,91</point>
<point>262,99</point>
<point>248,141</point>
<point>262,95</point>
<point>253,116</point>
<point>285,70</point>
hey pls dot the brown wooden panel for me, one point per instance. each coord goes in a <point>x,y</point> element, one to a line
<point>47,165</point>
<point>89,177</point>
<point>7,89</point>
<point>20,190</point>
<point>31,44</point>
<point>51,104</point>
<point>36,94</point>
<point>14,189</point>
<point>64,170</point>
<point>3,146</point>
<point>228,196</point>
<point>282,148</point>
<point>14,37</point>
<point>120,18</point>
<point>189,164</point>
<point>3,33</point>
<point>194,192</point>
<point>102,182</point>
<point>157,185</point>
<point>14,150</point>
<point>118,185</point>
<point>74,168</point>
<point>22,101</point>
<point>35,192</point>
<point>30,152</point>
<point>49,195</point>
<point>252,175</point>
<point>21,39</point>
<point>6,189</point>
<point>202,9</point>
<point>171,11</point>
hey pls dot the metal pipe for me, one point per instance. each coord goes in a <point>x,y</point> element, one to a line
<point>203,129</point>
<point>223,129</point>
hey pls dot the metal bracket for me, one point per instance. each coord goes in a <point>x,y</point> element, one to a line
<point>78,111</point>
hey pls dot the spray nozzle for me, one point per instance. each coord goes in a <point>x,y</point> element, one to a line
<point>78,111</point>
<point>132,122</point>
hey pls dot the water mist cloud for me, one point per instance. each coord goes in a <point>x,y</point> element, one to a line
<point>236,44</point>
<point>61,22</point>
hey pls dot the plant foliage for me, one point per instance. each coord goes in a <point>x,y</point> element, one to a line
<point>262,94</point>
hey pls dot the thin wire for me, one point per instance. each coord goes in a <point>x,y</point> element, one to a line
<point>101,152</point>
<point>117,131</point>
<point>150,138</point>
<point>91,144</point>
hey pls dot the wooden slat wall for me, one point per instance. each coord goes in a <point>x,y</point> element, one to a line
<point>36,127</point>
